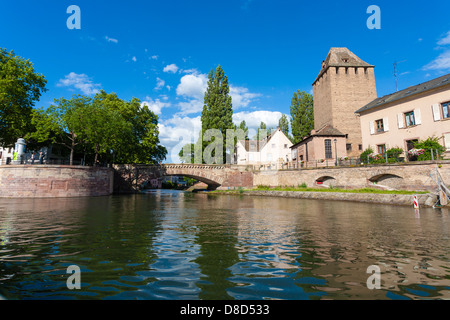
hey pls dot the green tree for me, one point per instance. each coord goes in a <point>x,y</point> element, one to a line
<point>243,126</point>
<point>217,111</point>
<point>141,144</point>
<point>302,113</point>
<point>105,129</point>
<point>61,123</point>
<point>20,88</point>
<point>187,153</point>
<point>283,123</point>
<point>262,131</point>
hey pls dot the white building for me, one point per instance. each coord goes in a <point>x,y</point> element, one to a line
<point>408,116</point>
<point>272,151</point>
<point>5,154</point>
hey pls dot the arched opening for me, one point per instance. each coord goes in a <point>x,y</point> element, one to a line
<point>180,182</point>
<point>326,182</point>
<point>386,181</point>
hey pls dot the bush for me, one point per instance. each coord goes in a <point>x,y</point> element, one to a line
<point>394,153</point>
<point>303,185</point>
<point>422,149</point>
<point>369,156</point>
<point>366,153</point>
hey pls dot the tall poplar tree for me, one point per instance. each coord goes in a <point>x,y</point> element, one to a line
<point>302,112</point>
<point>217,110</point>
<point>283,123</point>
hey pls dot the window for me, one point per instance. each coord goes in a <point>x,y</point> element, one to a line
<point>273,146</point>
<point>269,157</point>
<point>381,149</point>
<point>410,119</point>
<point>349,147</point>
<point>360,147</point>
<point>328,149</point>
<point>380,125</point>
<point>294,154</point>
<point>446,110</point>
<point>285,146</point>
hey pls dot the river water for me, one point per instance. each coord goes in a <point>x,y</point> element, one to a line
<point>173,245</point>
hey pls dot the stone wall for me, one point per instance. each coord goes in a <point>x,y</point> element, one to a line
<point>424,200</point>
<point>409,176</point>
<point>42,181</point>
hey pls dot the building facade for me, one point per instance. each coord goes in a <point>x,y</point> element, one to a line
<point>344,84</point>
<point>273,151</point>
<point>399,119</point>
<point>325,147</point>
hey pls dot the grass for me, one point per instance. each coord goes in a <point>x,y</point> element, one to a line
<point>302,188</point>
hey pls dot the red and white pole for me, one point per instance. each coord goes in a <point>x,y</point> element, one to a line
<point>416,202</point>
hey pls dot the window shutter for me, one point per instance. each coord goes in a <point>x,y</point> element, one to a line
<point>401,121</point>
<point>372,127</point>
<point>437,112</point>
<point>386,124</point>
<point>418,116</point>
<point>447,141</point>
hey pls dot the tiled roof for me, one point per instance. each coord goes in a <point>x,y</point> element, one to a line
<point>326,131</point>
<point>420,88</point>
<point>341,57</point>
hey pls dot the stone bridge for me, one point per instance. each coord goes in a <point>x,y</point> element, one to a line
<point>407,176</point>
<point>128,178</point>
<point>43,181</point>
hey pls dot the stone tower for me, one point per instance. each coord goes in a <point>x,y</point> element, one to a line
<point>345,84</point>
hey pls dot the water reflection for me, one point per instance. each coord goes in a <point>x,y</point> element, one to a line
<point>173,245</point>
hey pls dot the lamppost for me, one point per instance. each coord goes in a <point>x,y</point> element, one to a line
<point>335,152</point>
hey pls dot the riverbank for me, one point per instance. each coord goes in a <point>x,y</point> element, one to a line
<point>424,199</point>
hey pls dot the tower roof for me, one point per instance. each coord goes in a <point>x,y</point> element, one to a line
<point>341,57</point>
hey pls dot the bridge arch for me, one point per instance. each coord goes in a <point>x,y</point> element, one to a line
<point>129,178</point>
<point>326,181</point>
<point>386,181</point>
<point>212,185</point>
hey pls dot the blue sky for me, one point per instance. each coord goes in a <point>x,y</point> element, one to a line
<point>162,51</point>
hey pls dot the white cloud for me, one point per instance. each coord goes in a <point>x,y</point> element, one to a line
<point>191,106</point>
<point>445,41</point>
<point>81,82</point>
<point>155,105</point>
<point>155,57</point>
<point>254,119</point>
<point>111,39</point>
<point>177,132</point>
<point>134,59</point>
<point>442,62</point>
<point>159,84</point>
<point>171,68</point>
<point>191,71</point>
<point>193,86</point>
<point>241,97</point>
